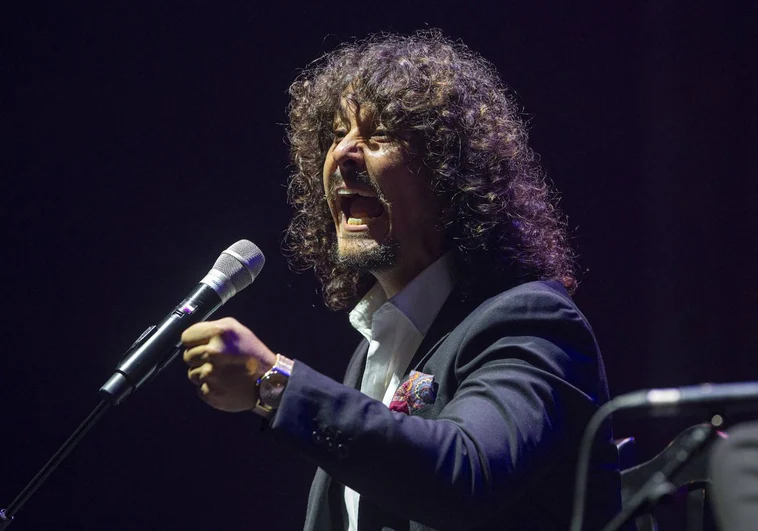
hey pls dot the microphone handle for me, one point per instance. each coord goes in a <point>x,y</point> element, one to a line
<point>159,345</point>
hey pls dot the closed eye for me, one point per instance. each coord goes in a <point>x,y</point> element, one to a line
<point>381,135</point>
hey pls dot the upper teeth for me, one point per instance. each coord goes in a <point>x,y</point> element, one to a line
<point>345,191</point>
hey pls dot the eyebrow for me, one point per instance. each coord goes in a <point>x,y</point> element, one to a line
<point>341,117</point>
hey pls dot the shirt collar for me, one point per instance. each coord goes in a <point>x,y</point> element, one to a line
<point>420,301</point>
<point>363,313</point>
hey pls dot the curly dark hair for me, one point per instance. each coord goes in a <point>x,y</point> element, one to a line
<point>499,214</point>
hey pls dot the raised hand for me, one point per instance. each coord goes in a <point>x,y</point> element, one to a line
<point>225,360</point>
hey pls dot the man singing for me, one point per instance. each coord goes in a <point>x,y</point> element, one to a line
<point>422,209</point>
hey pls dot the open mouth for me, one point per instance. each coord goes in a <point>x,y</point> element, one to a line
<point>358,206</point>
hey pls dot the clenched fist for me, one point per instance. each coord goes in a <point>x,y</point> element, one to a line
<point>225,360</point>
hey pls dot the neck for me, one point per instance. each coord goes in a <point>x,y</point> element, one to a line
<point>395,279</point>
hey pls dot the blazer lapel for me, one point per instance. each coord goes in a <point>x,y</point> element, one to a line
<point>354,371</point>
<point>455,309</point>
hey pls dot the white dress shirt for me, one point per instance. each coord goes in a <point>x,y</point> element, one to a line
<point>394,329</point>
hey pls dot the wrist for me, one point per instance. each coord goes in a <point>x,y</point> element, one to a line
<point>271,385</point>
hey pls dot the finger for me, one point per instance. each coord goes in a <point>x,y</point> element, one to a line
<point>199,375</point>
<point>196,356</point>
<point>204,390</point>
<point>201,333</point>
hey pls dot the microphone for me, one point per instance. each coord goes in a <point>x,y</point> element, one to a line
<point>232,272</point>
<point>664,402</point>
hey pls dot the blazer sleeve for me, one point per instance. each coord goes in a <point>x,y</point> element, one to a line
<point>523,375</point>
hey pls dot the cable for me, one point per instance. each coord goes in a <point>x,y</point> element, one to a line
<point>585,452</point>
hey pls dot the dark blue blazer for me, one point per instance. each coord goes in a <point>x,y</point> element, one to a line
<point>517,376</point>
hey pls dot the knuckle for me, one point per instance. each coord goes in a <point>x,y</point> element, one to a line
<point>210,351</point>
<point>228,323</point>
<point>194,356</point>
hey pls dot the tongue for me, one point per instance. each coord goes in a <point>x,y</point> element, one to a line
<point>365,207</point>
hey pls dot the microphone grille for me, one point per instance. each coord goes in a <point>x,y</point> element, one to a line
<point>241,263</point>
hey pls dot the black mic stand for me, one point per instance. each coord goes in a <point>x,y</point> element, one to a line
<point>114,391</point>
<point>6,515</point>
<point>667,470</point>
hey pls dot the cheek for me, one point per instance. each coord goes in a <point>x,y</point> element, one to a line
<point>327,171</point>
<point>412,211</point>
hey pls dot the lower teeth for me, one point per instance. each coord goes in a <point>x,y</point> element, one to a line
<point>355,221</point>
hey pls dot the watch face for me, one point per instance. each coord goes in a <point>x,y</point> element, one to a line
<point>271,388</point>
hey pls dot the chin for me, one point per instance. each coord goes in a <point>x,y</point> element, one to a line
<point>366,256</point>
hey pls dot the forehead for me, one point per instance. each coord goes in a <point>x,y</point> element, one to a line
<point>352,108</point>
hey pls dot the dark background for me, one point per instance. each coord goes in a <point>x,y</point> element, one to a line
<point>142,138</point>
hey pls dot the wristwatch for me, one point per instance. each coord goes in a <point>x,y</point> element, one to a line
<point>271,385</point>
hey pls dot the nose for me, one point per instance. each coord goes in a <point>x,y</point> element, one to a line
<point>348,153</point>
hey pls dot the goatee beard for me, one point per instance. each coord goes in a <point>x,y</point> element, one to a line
<point>373,259</point>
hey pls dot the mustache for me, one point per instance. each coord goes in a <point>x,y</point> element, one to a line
<point>337,179</point>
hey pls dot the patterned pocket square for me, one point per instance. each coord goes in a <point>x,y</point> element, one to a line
<point>417,391</point>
